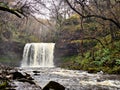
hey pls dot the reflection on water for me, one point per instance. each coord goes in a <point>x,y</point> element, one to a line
<point>74,79</point>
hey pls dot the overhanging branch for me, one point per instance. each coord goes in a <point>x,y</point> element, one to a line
<point>10,11</point>
<point>104,18</point>
<point>90,16</point>
<point>95,39</point>
<point>74,8</point>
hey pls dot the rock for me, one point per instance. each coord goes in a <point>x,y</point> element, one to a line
<point>28,76</point>
<point>36,72</point>
<point>26,80</point>
<point>12,75</point>
<point>52,85</point>
<point>25,85</point>
<point>11,51</point>
<point>101,72</point>
<point>17,75</point>
<point>9,76</point>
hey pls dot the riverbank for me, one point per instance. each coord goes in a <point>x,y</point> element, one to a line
<point>98,59</point>
<point>12,79</point>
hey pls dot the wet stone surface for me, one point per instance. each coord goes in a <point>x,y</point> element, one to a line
<point>13,79</point>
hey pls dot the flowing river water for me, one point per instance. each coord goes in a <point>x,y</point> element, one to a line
<point>38,57</point>
<point>74,79</point>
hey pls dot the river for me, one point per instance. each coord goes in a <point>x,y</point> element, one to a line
<point>38,57</point>
<point>74,79</point>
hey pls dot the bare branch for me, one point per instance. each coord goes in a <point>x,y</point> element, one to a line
<point>88,13</point>
<point>15,12</point>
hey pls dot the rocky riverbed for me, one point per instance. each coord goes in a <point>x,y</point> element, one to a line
<point>55,79</point>
<point>12,79</point>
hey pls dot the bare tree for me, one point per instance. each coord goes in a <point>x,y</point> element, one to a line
<point>103,9</point>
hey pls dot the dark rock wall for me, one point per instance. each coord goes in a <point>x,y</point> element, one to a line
<point>64,47</point>
<point>12,51</point>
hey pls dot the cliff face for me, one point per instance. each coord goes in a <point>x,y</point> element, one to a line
<point>11,52</point>
<point>65,45</point>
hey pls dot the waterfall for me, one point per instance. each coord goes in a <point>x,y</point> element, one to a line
<point>38,55</point>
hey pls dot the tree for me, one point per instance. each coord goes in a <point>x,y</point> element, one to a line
<point>103,9</point>
<point>4,6</point>
<point>104,12</point>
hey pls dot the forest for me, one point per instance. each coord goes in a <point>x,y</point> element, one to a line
<point>86,32</point>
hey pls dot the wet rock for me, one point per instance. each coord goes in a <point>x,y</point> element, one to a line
<point>54,85</point>
<point>9,76</point>
<point>36,72</point>
<point>26,86</point>
<point>28,76</point>
<point>101,72</point>
<point>17,75</point>
<point>26,80</point>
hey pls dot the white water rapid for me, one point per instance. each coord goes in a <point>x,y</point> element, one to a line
<point>71,79</point>
<point>38,55</point>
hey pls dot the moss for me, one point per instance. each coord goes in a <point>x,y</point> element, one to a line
<point>114,70</point>
<point>3,85</point>
<point>93,70</point>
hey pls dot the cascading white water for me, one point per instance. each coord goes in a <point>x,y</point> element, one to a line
<point>38,55</point>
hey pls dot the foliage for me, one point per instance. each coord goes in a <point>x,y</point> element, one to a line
<point>106,59</point>
<point>73,20</point>
<point>95,57</point>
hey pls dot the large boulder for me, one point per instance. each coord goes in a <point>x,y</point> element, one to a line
<point>52,85</point>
